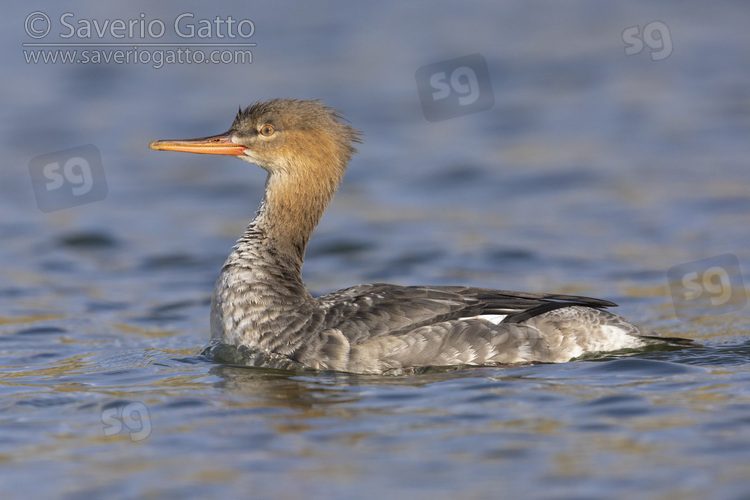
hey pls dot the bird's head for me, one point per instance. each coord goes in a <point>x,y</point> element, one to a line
<point>284,136</point>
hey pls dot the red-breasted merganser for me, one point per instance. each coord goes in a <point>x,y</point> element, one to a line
<point>261,305</point>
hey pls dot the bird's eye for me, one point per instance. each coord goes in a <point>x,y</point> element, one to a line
<point>267,130</point>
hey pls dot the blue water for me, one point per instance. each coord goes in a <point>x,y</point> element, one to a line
<point>594,172</point>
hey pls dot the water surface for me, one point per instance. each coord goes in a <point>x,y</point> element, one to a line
<point>593,173</point>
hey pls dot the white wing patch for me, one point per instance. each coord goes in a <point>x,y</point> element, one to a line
<point>492,318</point>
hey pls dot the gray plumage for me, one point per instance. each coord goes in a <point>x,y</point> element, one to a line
<point>261,305</point>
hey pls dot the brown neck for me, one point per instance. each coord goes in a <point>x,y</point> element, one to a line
<point>298,190</point>
<point>300,185</point>
<point>291,209</point>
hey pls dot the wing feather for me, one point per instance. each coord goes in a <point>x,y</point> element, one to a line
<point>365,312</point>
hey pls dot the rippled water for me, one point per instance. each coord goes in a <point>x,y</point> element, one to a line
<point>593,173</point>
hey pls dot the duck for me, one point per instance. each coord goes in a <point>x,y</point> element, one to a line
<point>261,306</point>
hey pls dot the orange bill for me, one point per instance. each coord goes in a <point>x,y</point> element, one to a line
<point>214,145</point>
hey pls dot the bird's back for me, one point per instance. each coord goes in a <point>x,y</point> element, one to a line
<point>384,328</point>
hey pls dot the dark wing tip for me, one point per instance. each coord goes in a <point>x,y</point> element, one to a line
<point>673,340</point>
<point>536,311</point>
